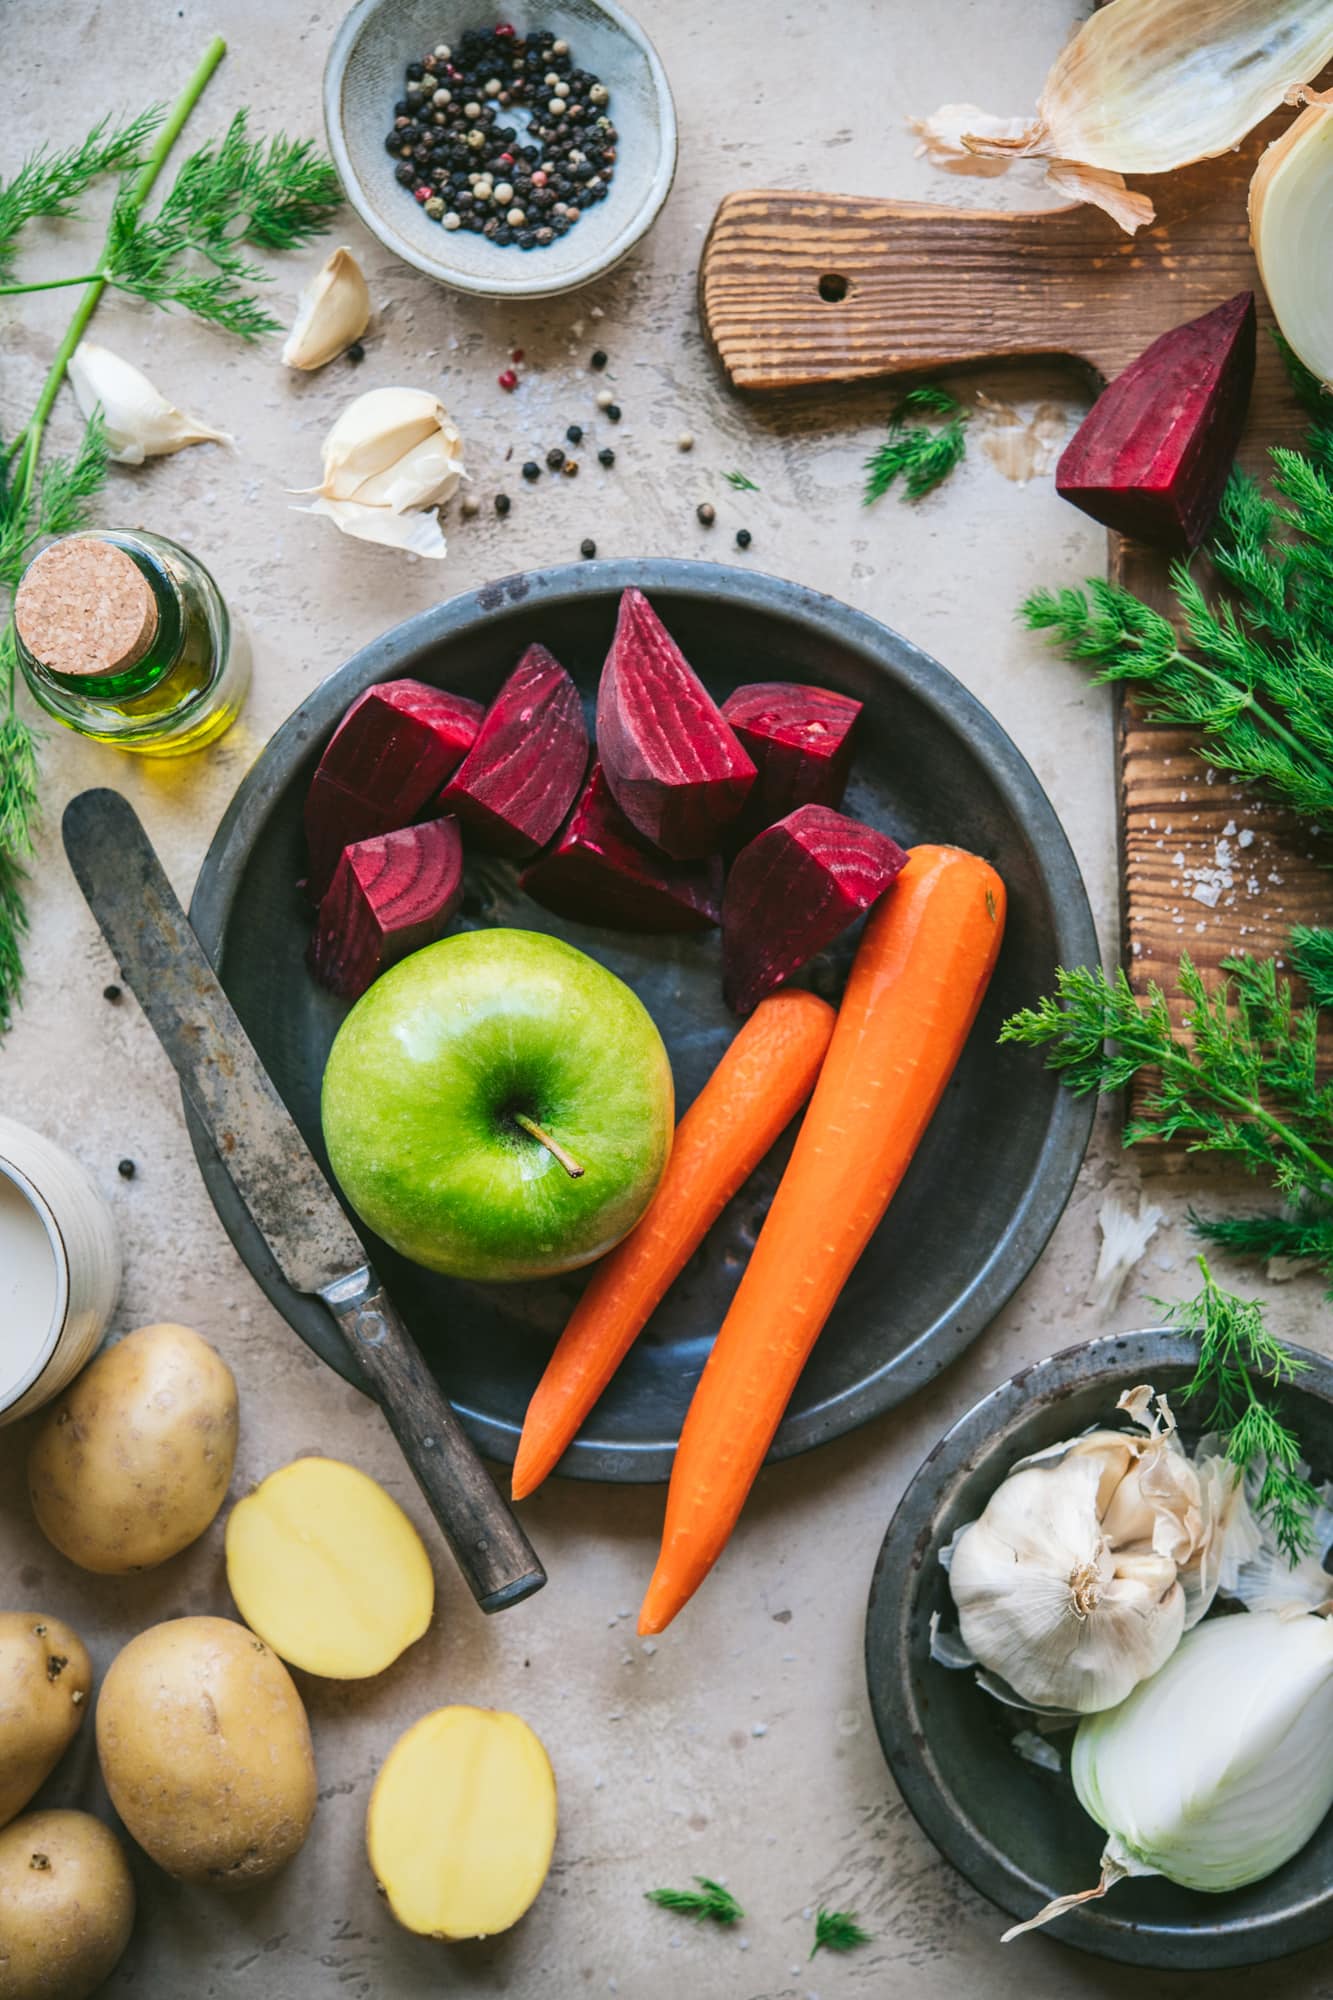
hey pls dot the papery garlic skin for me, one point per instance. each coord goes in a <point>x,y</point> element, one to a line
<point>332,312</point>
<point>1291,227</point>
<point>417,534</point>
<point>139,421</point>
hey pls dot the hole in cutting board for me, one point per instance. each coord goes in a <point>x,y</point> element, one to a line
<point>833,288</point>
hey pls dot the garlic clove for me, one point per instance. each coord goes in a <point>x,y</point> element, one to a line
<point>373,433</point>
<point>1291,226</point>
<point>332,312</point>
<point>140,423</point>
<point>426,476</point>
<point>417,533</point>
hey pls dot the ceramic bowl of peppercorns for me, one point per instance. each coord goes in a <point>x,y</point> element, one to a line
<point>517,157</point>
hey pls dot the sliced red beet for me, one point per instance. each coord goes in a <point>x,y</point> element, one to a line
<point>1152,456</point>
<point>602,871</point>
<point>672,760</point>
<point>390,754</point>
<point>389,896</point>
<point>800,742</point>
<point>522,774</point>
<point>793,890</point>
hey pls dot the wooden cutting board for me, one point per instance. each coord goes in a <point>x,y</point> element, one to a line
<point>800,291</point>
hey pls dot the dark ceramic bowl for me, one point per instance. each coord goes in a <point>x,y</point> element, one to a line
<point>1003,1150</point>
<point>1018,1832</point>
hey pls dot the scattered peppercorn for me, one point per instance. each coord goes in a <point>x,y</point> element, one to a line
<point>575,434</point>
<point>356,354</point>
<point>127,1170</point>
<point>604,399</point>
<point>555,458</point>
<point>606,456</point>
<point>470,507</point>
<point>570,468</point>
<point>743,538</point>
<point>599,358</point>
<point>588,549</point>
<point>507,379</point>
<point>685,442</point>
<point>111,993</point>
<point>613,412</point>
<point>707,513</point>
<point>532,470</point>
<point>502,503</point>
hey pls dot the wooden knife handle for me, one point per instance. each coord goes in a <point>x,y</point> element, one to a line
<point>490,1548</point>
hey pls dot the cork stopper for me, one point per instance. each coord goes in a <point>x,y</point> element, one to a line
<point>84,607</point>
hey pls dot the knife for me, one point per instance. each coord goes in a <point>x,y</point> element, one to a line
<point>276,1176</point>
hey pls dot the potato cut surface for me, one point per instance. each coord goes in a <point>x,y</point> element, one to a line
<point>329,1570</point>
<point>462,1823</point>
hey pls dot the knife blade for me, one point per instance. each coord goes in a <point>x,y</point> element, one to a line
<point>277,1177</point>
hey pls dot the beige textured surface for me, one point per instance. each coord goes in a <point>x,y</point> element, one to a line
<point>742,1745</point>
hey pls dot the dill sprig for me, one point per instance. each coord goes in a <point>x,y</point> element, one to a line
<point>1239,1357</point>
<point>740,481</point>
<point>50,183</point>
<point>837,1930</point>
<point>709,1901</point>
<point>921,457</point>
<point>242,192</point>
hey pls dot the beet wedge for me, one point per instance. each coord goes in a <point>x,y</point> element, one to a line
<point>672,761</point>
<point>602,871</point>
<point>799,740</point>
<point>521,776</point>
<point>387,760</point>
<point>794,889</point>
<point>389,897</point>
<point>1153,454</point>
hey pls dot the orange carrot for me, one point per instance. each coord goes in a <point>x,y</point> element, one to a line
<point>918,979</point>
<point>756,1090</point>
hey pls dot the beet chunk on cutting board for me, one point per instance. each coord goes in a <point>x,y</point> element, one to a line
<point>800,742</point>
<point>390,754</point>
<point>672,760</point>
<point>1153,454</point>
<point>602,871</point>
<point>522,774</point>
<point>794,889</point>
<point>389,897</point>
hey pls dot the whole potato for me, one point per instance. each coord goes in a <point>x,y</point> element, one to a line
<point>66,1906</point>
<point>205,1749</point>
<point>133,1461</point>
<point>45,1680</point>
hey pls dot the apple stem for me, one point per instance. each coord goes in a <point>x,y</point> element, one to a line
<point>553,1146</point>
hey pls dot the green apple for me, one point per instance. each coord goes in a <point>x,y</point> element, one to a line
<point>499,1106</point>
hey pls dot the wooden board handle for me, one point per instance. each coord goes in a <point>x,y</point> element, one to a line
<point>490,1548</point>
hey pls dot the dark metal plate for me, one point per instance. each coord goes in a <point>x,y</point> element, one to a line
<point>1001,1156</point>
<point>1017,1832</point>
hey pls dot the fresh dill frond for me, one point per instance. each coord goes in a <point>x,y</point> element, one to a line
<point>708,1902</point>
<point>837,1930</point>
<point>49,183</point>
<point>1311,954</point>
<point>922,458</point>
<point>740,482</point>
<point>18,817</point>
<point>271,194</point>
<point>1238,1359</point>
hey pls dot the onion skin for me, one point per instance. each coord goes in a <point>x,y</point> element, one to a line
<point>1291,228</point>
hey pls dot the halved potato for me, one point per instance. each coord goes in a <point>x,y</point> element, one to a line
<point>327,1568</point>
<point>461,1824</point>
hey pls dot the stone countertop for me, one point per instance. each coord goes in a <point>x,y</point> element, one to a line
<point>740,1744</point>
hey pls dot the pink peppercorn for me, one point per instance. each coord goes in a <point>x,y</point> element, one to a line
<point>421,193</point>
<point>539,179</point>
<point>517,354</point>
<point>504,32</point>
<point>507,379</point>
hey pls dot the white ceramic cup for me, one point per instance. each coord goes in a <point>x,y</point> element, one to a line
<point>52,1315</point>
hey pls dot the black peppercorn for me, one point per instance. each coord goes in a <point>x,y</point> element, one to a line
<point>613,413</point>
<point>555,458</point>
<point>706,513</point>
<point>532,470</point>
<point>415,72</point>
<point>111,993</point>
<point>743,538</point>
<point>606,456</point>
<point>588,549</point>
<point>575,434</point>
<point>404,176</point>
<point>502,503</point>
<point>599,358</point>
<point>126,1170</point>
<point>356,353</point>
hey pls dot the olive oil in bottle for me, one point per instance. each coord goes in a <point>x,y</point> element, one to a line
<point>125,638</point>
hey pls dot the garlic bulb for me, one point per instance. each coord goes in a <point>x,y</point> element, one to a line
<point>332,312</point>
<point>140,423</point>
<point>1149,85</point>
<point>1219,1768</point>
<point>1088,1563</point>
<point>392,457</point>
<point>1291,225</point>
